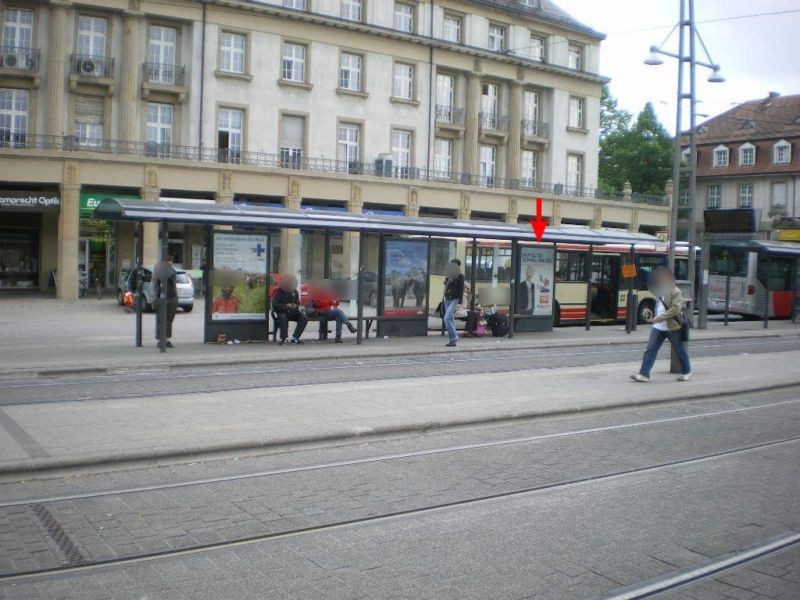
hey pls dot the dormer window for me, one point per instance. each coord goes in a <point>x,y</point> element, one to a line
<point>720,156</point>
<point>701,130</point>
<point>782,153</point>
<point>748,124</point>
<point>747,155</point>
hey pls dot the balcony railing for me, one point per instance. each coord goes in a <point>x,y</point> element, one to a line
<point>489,120</point>
<point>92,66</point>
<point>21,59</point>
<point>534,129</point>
<point>449,115</point>
<point>21,141</point>
<point>164,73</point>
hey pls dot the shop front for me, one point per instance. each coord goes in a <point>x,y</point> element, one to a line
<point>28,235</point>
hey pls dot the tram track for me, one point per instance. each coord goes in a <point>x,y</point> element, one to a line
<point>84,564</point>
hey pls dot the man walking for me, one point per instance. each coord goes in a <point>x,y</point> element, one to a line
<point>453,294</point>
<point>165,280</point>
<point>667,325</point>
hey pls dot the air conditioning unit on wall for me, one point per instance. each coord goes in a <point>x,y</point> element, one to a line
<point>88,66</point>
<point>10,60</point>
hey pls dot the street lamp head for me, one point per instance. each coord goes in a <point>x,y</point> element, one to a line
<point>716,76</point>
<point>653,59</point>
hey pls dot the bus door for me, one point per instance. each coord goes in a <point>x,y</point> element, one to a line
<point>605,286</point>
<point>780,285</point>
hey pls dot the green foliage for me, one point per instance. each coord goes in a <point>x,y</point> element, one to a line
<point>639,152</point>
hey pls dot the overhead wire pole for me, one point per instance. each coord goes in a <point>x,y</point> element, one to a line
<point>692,158</point>
<point>676,158</point>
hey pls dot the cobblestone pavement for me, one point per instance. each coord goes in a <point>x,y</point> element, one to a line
<point>573,541</point>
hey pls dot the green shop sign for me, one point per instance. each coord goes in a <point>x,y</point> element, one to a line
<point>89,202</point>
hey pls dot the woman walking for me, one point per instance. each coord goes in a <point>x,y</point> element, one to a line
<point>667,325</point>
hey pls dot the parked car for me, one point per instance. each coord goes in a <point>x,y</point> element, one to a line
<point>184,285</point>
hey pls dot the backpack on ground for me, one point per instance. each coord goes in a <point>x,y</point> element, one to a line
<point>498,324</point>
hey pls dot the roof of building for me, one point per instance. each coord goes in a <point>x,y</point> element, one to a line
<point>546,11</point>
<point>772,117</point>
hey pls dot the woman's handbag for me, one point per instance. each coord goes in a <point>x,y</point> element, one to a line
<point>684,328</point>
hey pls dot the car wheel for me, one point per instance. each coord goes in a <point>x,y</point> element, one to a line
<point>187,307</point>
<point>373,299</point>
<point>646,312</point>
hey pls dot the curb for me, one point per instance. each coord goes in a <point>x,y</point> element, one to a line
<point>117,369</point>
<point>211,452</point>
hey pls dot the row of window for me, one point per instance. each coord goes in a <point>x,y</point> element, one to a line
<point>781,154</point>
<point>778,195</point>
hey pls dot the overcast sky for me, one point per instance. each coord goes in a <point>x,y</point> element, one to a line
<point>757,54</point>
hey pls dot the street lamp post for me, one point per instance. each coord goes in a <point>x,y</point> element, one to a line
<point>687,30</point>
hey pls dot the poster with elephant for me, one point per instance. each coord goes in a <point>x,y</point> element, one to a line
<point>534,293</point>
<point>405,278</point>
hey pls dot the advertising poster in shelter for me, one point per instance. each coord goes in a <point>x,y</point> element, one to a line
<point>405,278</point>
<point>239,277</point>
<point>534,294</point>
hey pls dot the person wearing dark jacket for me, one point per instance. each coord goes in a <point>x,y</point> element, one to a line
<point>526,294</point>
<point>286,306</point>
<point>453,294</point>
<point>165,279</point>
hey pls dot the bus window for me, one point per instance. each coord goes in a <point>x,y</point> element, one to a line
<point>571,266</point>
<point>780,274</point>
<point>718,265</point>
<point>646,264</point>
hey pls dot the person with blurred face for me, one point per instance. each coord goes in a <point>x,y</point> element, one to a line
<point>667,325</point>
<point>327,304</point>
<point>286,305</point>
<point>453,294</point>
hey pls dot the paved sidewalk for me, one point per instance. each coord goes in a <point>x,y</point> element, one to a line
<point>46,336</point>
<point>92,432</point>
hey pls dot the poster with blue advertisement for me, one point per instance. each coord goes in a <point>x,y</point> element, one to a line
<point>239,277</point>
<point>405,278</point>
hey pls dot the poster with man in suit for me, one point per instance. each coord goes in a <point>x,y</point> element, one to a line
<point>534,293</point>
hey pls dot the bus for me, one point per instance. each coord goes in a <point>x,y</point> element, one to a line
<point>750,273</point>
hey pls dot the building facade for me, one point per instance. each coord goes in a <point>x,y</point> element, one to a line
<point>749,157</point>
<point>461,108</point>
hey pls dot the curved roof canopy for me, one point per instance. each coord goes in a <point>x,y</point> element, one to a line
<point>210,213</point>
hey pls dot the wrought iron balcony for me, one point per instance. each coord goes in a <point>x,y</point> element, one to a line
<point>88,66</point>
<point>493,121</point>
<point>534,129</point>
<point>164,73</point>
<point>19,58</point>
<point>449,115</point>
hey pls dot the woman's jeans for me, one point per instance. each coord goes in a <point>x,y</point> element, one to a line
<point>450,307</point>
<point>657,337</point>
<point>335,314</point>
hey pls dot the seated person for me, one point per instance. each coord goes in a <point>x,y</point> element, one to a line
<point>286,306</point>
<point>326,302</point>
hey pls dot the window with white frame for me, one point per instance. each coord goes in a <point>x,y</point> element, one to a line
<point>576,106</point>
<point>782,152</point>
<point>746,195</point>
<point>92,33</point>
<point>404,17</point>
<point>161,54</point>
<point>529,159</point>
<point>530,3</point>
<point>89,119</point>
<point>451,28</point>
<point>348,146</point>
<point>350,71</point>
<point>292,132</point>
<point>351,10</point>
<point>443,157</point>
<point>530,113</point>
<point>403,87</point>
<point>574,173</point>
<point>720,156</point>
<point>232,48</point>
<point>158,127</point>
<point>401,152</point>
<point>747,155</point>
<point>536,49</point>
<point>293,65</point>
<point>230,133</point>
<point>575,57</point>
<point>445,97</point>
<point>490,101</point>
<point>779,192</point>
<point>488,159</point>
<point>295,4</point>
<point>17,28</point>
<point>497,37</point>
<point>13,116</point>
<point>714,196</point>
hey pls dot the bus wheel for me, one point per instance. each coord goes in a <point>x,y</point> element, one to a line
<point>646,312</point>
<point>557,315</point>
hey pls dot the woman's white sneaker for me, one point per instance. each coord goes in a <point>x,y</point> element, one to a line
<point>640,378</point>
<point>685,377</point>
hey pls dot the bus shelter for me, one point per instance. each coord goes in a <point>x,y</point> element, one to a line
<point>755,278</point>
<point>388,269</point>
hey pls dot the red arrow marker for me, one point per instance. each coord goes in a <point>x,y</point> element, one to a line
<point>539,224</point>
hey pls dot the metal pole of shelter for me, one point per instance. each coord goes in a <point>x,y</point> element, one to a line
<point>162,295</point>
<point>629,314</point>
<point>766,285</point>
<point>727,287</point>
<point>512,308</point>
<point>795,291</point>
<point>360,287</point>
<point>473,274</point>
<point>138,279</point>
<point>589,259</point>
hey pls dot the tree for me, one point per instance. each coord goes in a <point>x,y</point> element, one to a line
<point>640,153</point>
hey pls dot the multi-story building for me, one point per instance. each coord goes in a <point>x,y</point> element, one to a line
<point>749,157</point>
<point>463,108</point>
